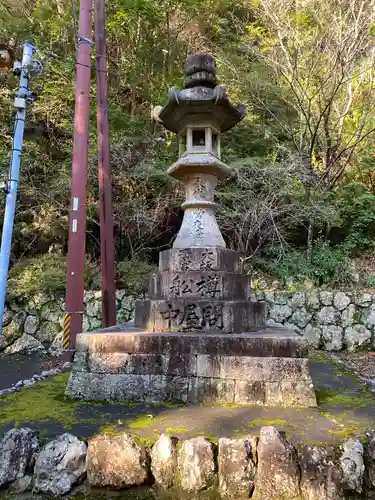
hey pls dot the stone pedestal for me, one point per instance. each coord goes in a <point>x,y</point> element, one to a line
<point>188,343</point>
<point>265,368</point>
<point>199,290</point>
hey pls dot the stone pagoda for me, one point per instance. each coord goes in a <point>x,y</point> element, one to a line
<point>198,337</point>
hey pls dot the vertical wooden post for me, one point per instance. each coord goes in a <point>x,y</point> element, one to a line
<point>77,215</point>
<point>107,247</point>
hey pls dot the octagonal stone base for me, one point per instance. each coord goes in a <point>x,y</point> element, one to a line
<point>268,367</point>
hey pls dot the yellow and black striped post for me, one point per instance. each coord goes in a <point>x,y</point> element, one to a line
<point>66,338</point>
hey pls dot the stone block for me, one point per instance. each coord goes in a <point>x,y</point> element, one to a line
<point>253,369</point>
<point>370,460</point>
<point>179,315</point>
<point>332,337</point>
<point>278,473</point>
<point>136,364</point>
<point>17,451</point>
<point>128,388</point>
<point>236,468</point>
<point>357,336</point>
<point>165,388</point>
<point>116,462</point>
<point>196,464</point>
<point>286,393</point>
<point>320,475</point>
<point>352,465</point>
<point>266,367</point>
<point>200,259</point>
<point>60,465</point>
<point>88,386</point>
<point>280,313</point>
<point>211,390</point>
<point>313,335</point>
<point>164,461</point>
<point>209,285</point>
<point>272,342</point>
<point>248,392</point>
<point>291,393</point>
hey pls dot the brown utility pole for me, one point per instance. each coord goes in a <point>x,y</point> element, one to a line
<point>75,283</point>
<point>107,247</point>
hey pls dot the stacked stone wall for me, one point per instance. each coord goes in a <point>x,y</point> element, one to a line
<point>263,467</point>
<point>331,320</point>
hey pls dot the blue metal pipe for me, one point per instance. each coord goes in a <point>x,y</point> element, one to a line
<point>12,183</point>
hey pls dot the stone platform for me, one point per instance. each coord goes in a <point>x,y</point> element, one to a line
<point>268,367</point>
<point>198,338</point>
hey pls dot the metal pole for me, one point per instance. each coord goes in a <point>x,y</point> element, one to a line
<point>75,282</point>
<point>12,183</point>
<point>107,247</point>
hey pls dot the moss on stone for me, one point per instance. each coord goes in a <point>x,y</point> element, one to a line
<point>266,422</point>
<point>41,403</point>
<point>176,430</point>
<point>144,422</point>
<point>348,427</point>
<point>348,432</point>
<point>45,402</point>
<point>168,404</point>
<point>341,397</point>
<point>357,316</point>
<point>111,430</point>
<point>209,437</point>
<point>146,442</point>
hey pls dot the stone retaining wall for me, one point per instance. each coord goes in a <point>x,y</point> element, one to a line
<point>264,467</point>
<point>331,320</point>
<point>39,324</point>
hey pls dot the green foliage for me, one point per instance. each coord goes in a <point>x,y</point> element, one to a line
<point>303,152</point>
<point>356,203</point>
<point>134,275</point>
<point>328,264</point>
<point>43,275</point>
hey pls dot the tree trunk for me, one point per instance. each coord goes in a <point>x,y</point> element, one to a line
<point>310,234</point>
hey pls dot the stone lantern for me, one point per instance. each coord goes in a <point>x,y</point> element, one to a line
<point>199,114</point>
<point>198,337</point>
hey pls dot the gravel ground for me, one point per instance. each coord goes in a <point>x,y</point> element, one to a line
<point>362,363</point>
<point>17,367</point>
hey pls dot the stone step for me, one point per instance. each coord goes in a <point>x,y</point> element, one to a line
<point>268,367</point>
<point>179,315</point>
<point>211,285</point>
<point>91,386</point>
<point>200,259</point>
<point>271,342</point>
<point>254,369</point>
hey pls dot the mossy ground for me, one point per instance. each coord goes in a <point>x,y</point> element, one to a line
<point>40,403</point>
<point>345,398</point>
<point>346,408</point>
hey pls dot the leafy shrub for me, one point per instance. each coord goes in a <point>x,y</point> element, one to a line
<point>133,276</point>
<point>371,281</point>
<point>357,210</point>
<point>44,274</point>
<point>328,265</point>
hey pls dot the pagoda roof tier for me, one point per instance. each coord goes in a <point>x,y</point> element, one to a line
<point>200,163</point>
<point>200,104</point>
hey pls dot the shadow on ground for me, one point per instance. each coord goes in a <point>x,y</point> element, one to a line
<point>346,408</point>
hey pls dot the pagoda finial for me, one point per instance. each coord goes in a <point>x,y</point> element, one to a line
<point>200,70</point>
